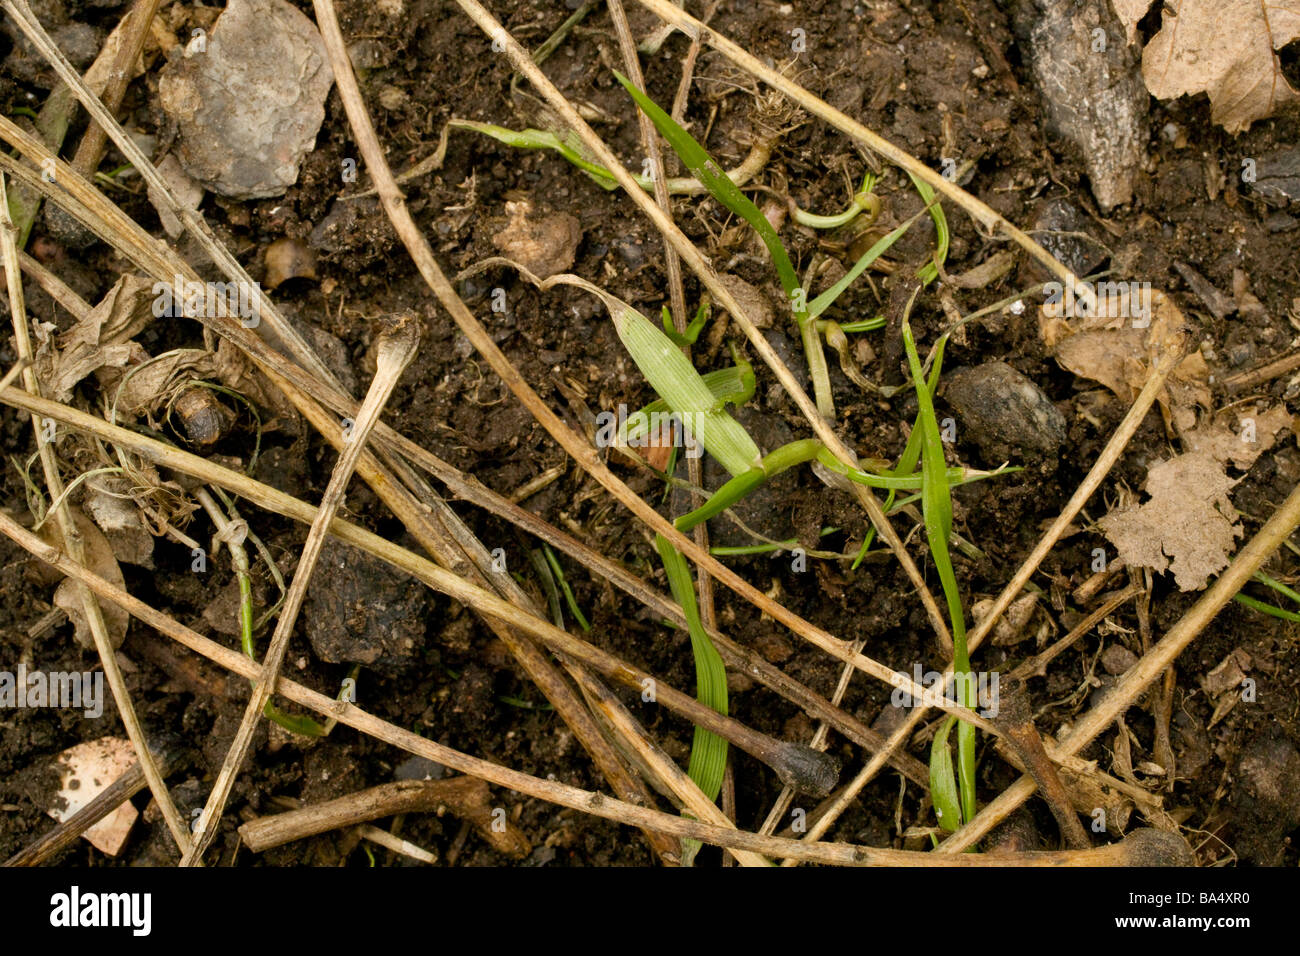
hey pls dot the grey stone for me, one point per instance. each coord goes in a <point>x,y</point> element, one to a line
<point>1060,228</point>
<point>249,100</point>
<point>1004,413</point>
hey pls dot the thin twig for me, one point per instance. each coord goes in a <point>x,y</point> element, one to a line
<point>136,26</point>
<point>467,797</point>
<point>126,786</point>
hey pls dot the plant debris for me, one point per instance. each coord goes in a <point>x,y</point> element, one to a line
<point>1225,48</point>
<point>1119,343</point>
<point>1188,526</point>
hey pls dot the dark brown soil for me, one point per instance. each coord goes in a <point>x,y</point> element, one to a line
<point>905,70</point>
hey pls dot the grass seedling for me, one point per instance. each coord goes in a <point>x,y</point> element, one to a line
<point>709,176</point>
<point>953,804</point>
<point>569,599</point>
<point>549,587</point>
<point>726,192</point>
<point>703,414</point>
<point>232,533</point>
<point>863,201</point>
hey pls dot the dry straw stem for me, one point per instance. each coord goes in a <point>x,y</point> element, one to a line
<point>135,28</point>
<point>423,256</point>
<point>1037,665</point>
<point>72,536</point>
<point>790,761</point>
<point>1092,481</point>
<point>88,205</point>
<point>100,215</point>
<point>576,446</point>
<point>467,797</point>
<point>978,210</point>
<point>818,742</point>
<point>1261,547</point>
<point>1144,847</point>
<point>395,349</point>
<point>54,286</point>
<point>1168,360</point>
<point>396,844</point>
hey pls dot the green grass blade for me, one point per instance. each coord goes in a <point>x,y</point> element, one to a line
<point>676,381</point>
<point>549,587</point>
<point>540,139</point>
<point>1272,610</point>
<point>943,783</point>
<point>716,181</point>
<point>824,301</point>
<point>708,759</point>
<point>936,509</point>
<point>727,385</point>
<point>1277,586</point>
<point>721,188</point>
<point>930,271</point>
<point>569,599</point>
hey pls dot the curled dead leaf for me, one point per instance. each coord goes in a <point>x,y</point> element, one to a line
<point>100,339</point>
<point>1119,343</point>
<point>101,561</point>
<point>1224,48</point>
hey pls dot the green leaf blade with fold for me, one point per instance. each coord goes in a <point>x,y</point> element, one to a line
<point>674,378</point>
<point>725,384</point>
<point>936,510</point>
<point>943,783</point>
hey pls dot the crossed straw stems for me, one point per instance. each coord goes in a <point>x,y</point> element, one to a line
<point>310,382</point>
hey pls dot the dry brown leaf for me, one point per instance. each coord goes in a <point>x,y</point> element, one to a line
<point>1188,525</point>
<point>1224,48</point>
<point>1224,684</point>
<point>149,388</point>
<point>100,339</point>
<point>1252,435</point>
<point>101,561</point>
<point>109,502</point>
<point>121,315</point>
<point>1118,344</point>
